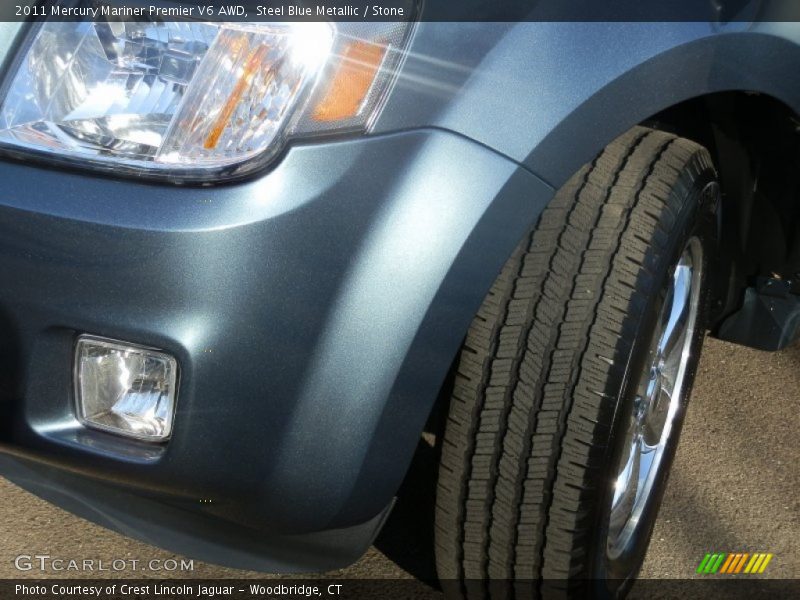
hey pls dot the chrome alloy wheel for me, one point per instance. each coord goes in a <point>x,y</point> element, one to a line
<point>660,390</point>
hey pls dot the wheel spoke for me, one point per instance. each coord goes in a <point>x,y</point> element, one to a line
<point>627,482</point>
<point>678,311</point>
<point>647,457</point>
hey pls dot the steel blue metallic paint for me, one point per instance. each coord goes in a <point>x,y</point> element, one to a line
<point>292,320</point>
<point>551,95</point>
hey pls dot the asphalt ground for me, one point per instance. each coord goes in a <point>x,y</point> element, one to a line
<point>734,487</point>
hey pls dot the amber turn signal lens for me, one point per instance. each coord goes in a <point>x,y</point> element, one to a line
<point>351,82</point>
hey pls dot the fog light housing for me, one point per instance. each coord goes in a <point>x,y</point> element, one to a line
<point>125,389</point>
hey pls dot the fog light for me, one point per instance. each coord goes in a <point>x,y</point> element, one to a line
<point>125,389</point>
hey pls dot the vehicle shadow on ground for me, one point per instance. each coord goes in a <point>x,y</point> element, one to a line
<point>407,538</point>
<point>734,482</point>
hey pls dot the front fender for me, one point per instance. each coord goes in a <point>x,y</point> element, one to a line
<point>552,95</point>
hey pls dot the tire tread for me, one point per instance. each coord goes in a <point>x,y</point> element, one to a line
<point>532,400</point>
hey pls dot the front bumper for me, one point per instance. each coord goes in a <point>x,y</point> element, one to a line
<point>314,312</point>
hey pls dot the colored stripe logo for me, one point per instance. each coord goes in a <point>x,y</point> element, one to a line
<point>734,563</point>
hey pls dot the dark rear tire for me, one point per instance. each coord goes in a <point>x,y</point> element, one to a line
<point>550,379</point>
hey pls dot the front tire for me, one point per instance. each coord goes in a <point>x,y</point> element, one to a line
<point>550,377</point>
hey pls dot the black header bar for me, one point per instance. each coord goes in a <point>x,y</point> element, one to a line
<point>723,11</point>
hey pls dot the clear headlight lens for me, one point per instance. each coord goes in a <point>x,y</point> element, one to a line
<point>191,98</point>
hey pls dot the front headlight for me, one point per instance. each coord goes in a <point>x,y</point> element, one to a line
<point>192,100</point>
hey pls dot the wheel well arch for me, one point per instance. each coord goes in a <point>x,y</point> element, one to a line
<point>754,140</point>
<point>753,137</point>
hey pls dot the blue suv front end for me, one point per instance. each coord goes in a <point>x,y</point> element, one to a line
<point>315,307</point>
<point>313,312</point>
